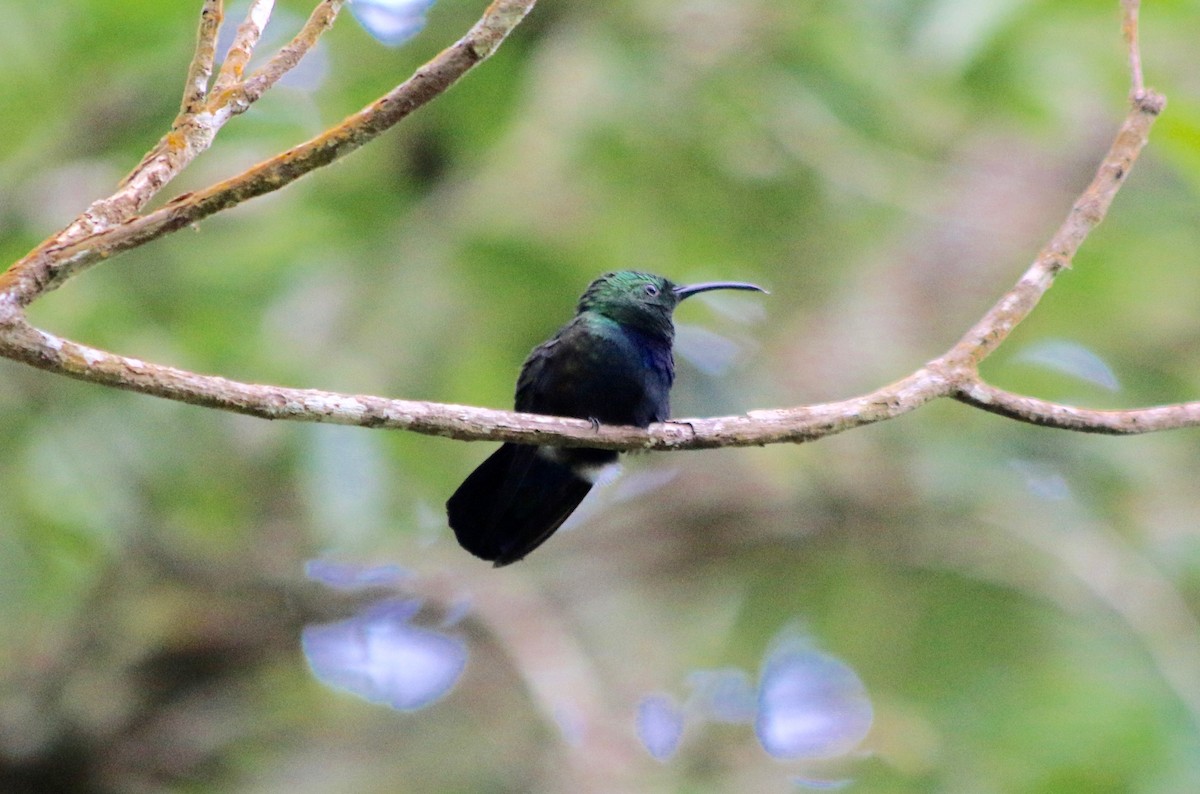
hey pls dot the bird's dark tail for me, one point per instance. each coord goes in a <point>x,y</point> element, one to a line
<point>513,502</point>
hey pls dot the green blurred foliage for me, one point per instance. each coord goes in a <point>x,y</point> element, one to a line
<point>1020,602</point>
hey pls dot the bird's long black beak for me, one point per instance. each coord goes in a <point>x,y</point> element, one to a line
<point>692,289</point>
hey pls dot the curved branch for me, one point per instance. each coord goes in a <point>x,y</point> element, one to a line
<point>1086,213</point>
<point>1065,417</point>
<point>953,374</point>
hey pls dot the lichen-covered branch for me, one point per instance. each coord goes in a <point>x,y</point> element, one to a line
<point>52,263</point>
<point>954,374</point>
<point>195,87</point>
<point>203,113</point>
<point>282,62</point>
<point>244,42</point>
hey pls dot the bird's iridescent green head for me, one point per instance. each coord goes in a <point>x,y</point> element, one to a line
<point>640,300</point>
<point>643,300</point>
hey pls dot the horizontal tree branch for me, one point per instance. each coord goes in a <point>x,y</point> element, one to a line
<point>25,343</point>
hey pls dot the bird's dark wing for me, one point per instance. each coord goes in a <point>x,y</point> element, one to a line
<point>596,369</point>
<point>538,373</point>
<point>513,502</point>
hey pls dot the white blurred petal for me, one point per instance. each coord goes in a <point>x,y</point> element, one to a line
<point>392,22</point>
<point>811,705</point>
<point>382,658</point>
<point>660,725</point>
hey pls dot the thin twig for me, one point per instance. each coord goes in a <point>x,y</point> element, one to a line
<point>193,133</point>
<point>195,90</point>
<point>321,19</point>
<point>132,193</point>
<point>244,42</point>
<point>202,115</point>
<point>1129,27</point>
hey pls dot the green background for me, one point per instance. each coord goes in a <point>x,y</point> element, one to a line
<point>1020,603</point>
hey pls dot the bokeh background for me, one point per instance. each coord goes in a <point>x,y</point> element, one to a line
<point>1015,607</point>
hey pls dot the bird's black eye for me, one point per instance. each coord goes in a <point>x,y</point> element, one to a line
<point>651,290</point>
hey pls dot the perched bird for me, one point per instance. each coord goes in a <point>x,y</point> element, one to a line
<point>611,364</point>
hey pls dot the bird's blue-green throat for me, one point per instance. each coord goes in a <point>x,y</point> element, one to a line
<point>611,364</point>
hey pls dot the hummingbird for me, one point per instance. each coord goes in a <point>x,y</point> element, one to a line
<point>611,364</point>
